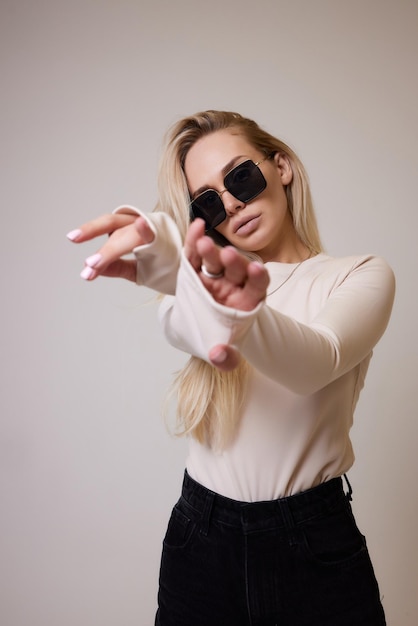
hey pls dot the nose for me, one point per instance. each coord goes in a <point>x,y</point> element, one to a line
<point>231,203</point>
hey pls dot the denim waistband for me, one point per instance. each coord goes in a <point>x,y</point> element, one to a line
<point>285,512</point>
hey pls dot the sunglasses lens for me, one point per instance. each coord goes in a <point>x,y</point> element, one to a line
<point>210,208</point>
<point>245,181</point>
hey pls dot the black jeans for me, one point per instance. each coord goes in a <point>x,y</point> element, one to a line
<point>297,561</point>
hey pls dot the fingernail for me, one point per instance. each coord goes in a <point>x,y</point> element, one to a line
<point>87,273</point>
<point>93,260</point>
<point>220,357</point>
<point>74,234</point>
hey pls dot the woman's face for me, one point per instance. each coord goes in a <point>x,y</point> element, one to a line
<point>262,225</point>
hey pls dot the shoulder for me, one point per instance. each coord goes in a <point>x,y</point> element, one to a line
<point>356,275</point>
<point>367,264</point>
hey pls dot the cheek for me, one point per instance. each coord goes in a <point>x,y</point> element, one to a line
<point>278,204</point>
<point>222,228</point>
<point>278,194</point>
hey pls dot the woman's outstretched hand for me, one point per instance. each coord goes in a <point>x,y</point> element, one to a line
<point>126,232</point>
<point>242,284</point>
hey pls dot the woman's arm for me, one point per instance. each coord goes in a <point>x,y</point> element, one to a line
<point>153,238</point>
<point>302,357</point>
<point>307,357</point>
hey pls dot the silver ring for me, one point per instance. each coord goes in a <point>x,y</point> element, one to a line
<point>208,274</point>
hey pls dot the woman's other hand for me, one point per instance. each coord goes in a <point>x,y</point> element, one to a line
<point>126,232</point>
<point>242,283</point>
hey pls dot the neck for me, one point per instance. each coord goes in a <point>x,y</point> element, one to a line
<point>294,251</point>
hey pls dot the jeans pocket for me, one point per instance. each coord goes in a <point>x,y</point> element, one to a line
<point>334,539</point>
<point>179,531</point>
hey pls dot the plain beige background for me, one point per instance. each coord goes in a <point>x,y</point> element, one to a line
<point>88,473</point>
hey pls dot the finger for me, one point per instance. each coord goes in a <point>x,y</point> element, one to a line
<point>122,269</point>
<point>144,230</point>
<point>235,265</point>
<point>119,269</point>
<point>121,242</point>
<point>224,357</point>
<point>195,231</point>
<point>248,296</point>
<point>210,254</point>
<point>255,288</point>
<point>103,225</point>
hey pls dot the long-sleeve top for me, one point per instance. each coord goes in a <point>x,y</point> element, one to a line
<point>309,344</point>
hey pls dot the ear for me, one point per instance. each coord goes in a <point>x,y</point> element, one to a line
<point>282,162</point>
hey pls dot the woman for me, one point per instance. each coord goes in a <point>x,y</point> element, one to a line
<point>280,337</point>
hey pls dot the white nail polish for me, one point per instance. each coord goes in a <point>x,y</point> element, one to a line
<point>73,234</point>
<point>220,357</point>
<point>93,260</point>
<point>87,273</point>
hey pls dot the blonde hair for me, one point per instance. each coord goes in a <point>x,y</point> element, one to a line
<point>209,401</point>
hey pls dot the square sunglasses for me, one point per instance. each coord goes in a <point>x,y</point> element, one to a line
<point>245,182</point>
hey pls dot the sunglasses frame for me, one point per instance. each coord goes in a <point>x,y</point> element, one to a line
<point>223,215</point>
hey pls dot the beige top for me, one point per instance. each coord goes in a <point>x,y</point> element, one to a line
<point>310,345</point>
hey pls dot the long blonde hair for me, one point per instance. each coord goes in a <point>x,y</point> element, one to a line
<point>209,401</point>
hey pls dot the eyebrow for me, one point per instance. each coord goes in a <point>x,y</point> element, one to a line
<point>224,171</point>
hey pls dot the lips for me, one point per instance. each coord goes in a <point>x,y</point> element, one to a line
<point>246,225</point>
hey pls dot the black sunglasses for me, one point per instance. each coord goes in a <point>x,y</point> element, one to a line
<point>245,182</point>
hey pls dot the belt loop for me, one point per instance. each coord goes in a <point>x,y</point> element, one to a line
<point>349,494</point>
<point>207,512</point>
<point>286,512</point>
<point>288,520</point>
